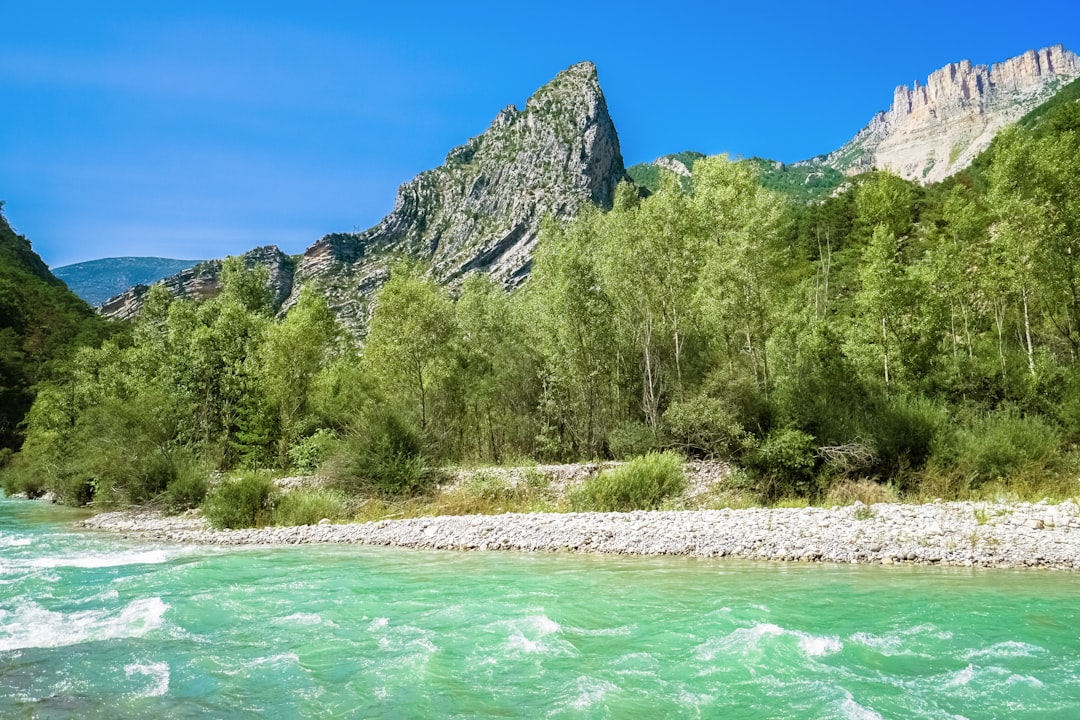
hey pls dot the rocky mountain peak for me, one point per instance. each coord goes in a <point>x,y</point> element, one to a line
<point>478,212</point>
<point>481,210</point>
<point>935,129</point>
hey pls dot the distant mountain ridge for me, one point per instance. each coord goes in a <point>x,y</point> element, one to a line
<point>95,281</point>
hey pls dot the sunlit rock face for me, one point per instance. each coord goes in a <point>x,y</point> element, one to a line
<point>935,129</point>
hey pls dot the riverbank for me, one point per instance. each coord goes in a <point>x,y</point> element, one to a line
<point>943,533</point>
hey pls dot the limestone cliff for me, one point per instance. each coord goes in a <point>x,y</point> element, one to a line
<point>934,130</point>
<point>479,212</point>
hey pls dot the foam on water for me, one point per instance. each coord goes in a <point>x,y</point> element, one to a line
<point>1024,680</point>
<point>740,640</point>
<point>302,618</point>
<point>156,675</point>
<point>961,678</point>
<point>536,634</point>
<point>852,710</point>
<point>588,692</point>
<point>33,626</point>
<point>102,559</point>
<point>818,645</point>
<point>1006,649</point>
<point>14,541</point>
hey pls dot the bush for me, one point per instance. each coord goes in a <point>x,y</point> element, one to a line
<point>868,492</point>
<point>187,491</point>
<point>904,432</point>
<point>306,455</point>
<point>630,440</point>
<point>783,464</point>
<point>383,455</point>
<point>1001,445</point>
<point>644,483</point>
<point>245,500</point>
<point>488,486</point>
<point>705,426</point>
<point>307,506</point>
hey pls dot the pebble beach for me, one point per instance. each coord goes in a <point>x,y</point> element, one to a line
<point>969,534</point>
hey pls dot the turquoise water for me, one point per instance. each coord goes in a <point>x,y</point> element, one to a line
<point>96,626</point>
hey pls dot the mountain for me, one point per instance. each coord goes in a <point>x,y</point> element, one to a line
<point>934,130</point>
<point>98,280</point>
<point>478,212</point>
<point>40,321</point>
<point>481,210</point>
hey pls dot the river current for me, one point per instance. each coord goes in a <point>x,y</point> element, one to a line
<point>94,625</point>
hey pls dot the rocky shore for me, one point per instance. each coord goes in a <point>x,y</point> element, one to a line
<point>942,533</point>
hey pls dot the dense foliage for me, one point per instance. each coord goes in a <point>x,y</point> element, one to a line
<point>926,338</point>
<point>41,321</point>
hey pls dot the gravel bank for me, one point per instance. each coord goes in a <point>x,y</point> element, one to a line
<point>960,533</point>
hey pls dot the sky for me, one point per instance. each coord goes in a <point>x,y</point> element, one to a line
<point>201,129</point>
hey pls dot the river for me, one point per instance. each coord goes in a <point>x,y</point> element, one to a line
<point>93,625</point>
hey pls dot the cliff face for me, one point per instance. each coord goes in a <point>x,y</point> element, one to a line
<point>934,130</point>
<point>203,281</point>
<point>478,212</point>
<point>481,210</point>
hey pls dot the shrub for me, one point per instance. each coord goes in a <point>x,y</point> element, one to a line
<point>244,500</point>
<point>868,492</point>
<point>1001,445</point>
<point>488,486</point>
<point>705,426</point>
<point>631,439</point>
<point>904,431</point>
<point>783,464</point>
<point>383,455</point>
<point>307,506</point>
<point>644,483</point>
<point>306,455</point>
<point>187,491</point>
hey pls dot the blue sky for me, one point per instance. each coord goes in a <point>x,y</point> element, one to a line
<point>201,129</point>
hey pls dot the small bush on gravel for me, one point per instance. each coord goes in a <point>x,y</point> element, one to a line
<point>1002,445</point>
<point>383,455</point>
<point>631,439</point>
<point>868,492</point>
<point>488,486</point>
<point>644,483</point>
<point>187,491</point>
<point>706,427</point>
<point>242,501</point>
<point>307,506</point>
<point>784,464</point>
<point>305,456</point>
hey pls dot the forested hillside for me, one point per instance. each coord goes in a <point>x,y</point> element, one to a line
<point>40,321</point>
<point>926,338</point>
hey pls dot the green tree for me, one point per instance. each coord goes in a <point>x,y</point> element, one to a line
<point>746,262</point>
<point>409,340</point>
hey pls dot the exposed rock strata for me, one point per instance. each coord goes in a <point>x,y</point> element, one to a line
<point>480,211</point>
<point>203,281</point>
<point>934,130</point>
<point>960,533</point>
